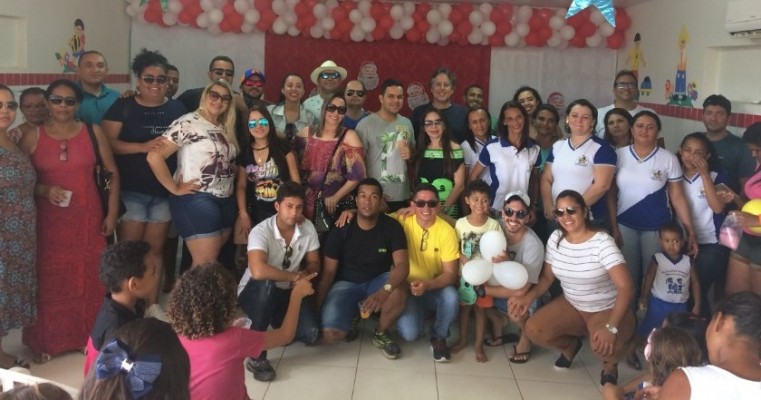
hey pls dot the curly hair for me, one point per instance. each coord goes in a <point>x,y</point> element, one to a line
<point>203,302</point>
<point>121,261</point>
<point>147,58</point>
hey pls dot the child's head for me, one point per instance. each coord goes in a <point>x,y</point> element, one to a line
<point>139,348</point>
<point>41,391</point>
<point>752,138</point>
<point>478,197</point>
<point>694,325</point>
<point>669,348</point>
<point>671,237</point>
<point>203,302</point>
<point>124,266</point>
<point>696,145</point>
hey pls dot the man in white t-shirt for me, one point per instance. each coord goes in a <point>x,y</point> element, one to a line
<point>280,252</point>
<point>625,94</point>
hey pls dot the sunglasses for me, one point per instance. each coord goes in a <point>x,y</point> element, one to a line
<point>261,122</point>
<point>68,100</point>
<point>330,75</point>
<point>287,257</point>
<point>221,71</point>
<point>333,108</point>
<point>254,83</point>
<point>11,105</point>
<point>150,79</point>
<point>63,150</point>
<point>290,130</point>
<point>626,85</point>
<point>214,96</point>
<point>358,93</point>
<point>423,203</point>
<point>424,240</point>
<point>432,122</point>
<point>559,212</point>
<point>520,214</point>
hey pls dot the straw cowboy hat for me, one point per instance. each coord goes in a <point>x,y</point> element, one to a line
<point>328,65</point>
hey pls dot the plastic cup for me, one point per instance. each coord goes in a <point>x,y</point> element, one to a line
<point>67,200</point>
<point>365,314</point>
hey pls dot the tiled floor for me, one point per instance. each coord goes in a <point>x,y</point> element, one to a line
<point>359,371</point>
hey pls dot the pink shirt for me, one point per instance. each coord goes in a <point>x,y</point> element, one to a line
<point>753,186</point>
<point>216,363</point>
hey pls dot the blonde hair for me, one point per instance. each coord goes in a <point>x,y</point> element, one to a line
<point>228,117</point>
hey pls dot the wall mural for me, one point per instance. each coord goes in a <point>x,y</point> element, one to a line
<point>679,91</point>
<point>69,55</point>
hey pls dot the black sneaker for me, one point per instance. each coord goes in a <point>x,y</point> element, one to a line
<point>262,369</point>
<point>353,332</point>
<point>388,346</point>
<point>440,350</point>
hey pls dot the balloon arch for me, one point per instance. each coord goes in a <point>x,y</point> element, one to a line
<point>371,20</point>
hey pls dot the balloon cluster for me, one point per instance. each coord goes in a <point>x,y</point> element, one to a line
<point>509,274</point>
<point>373,20</point>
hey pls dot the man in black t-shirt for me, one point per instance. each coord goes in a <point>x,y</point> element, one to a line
<point>366,263</point>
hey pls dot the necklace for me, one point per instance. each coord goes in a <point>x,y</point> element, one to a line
<point>258,157</point>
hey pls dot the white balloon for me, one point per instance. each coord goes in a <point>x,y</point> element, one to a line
<point>432,36</point>
<point>174,6</point>
<point>561,12</point>
<point>563,44</point>
<point>512,39</point>
<point>369,37</point>
<point>327,24</point>
<point>445,28</point>
<point>596,17</point>
<point>202,20</point>
<point>131,11</point>
<point>475,38</point>
<point>407,22</point>
<point>279,26</point>
<point>293,31</point>
<point>445,9</point>
<point>433,17</point>
<point>241,6</point>
<point>488,28</point>
<point>605,29</point>
<point>594,40</point>
<point>367,24</point>
<point>396,31</point>
<point>252,16</point>
<point>364,6</point>
<point>357,34</point>
<point>355,16</point>
<point>247,27</point>
<point>409,7</point>
<point>511,274</point>
<point>396,12</point>
<point>557,22</point>
<point>290,18</point>
<point>492,280</point>
<point>567,32</point>
<point>290,3</point>
<point>522,29</point>
<point>316,31</point>
<point>214,29</point>
<point>476,18</point>
<point>278,6</point>
<point>524,13</point>
<point>477,272</point>
<point>443,41</point>
<point>320,11</point>
<point>331,4</point>
<point>492,243</point>
<point>140,17</point>
<point>207,5</point>
<point>485,8</point>
<point>169,18</point>
<point>215,16</point>
<point>555,40</point>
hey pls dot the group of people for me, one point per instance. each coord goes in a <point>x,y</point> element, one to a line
<point>379,210</point>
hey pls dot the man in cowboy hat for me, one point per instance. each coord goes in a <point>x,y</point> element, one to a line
<point>327,77</point>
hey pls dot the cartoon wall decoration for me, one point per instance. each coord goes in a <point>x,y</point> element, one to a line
<point>416,95</point>
<point>646,87</point>
<point>636,56</point>
<point>557,100</point>
<point>692,90</point>
<point>368,75</point>
<point>668,89</point>
<point>680,96</point>
<point>73,49</point>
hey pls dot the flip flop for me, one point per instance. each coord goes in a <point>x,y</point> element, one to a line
<point>506,338</point>
<point>562,362</point>
<point>519,358</point>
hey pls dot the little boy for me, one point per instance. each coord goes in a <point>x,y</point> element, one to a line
<point>469,231</point>
<point>129,278</point>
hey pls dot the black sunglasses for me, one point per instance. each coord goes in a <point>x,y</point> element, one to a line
<point>221,71</point>
<point>333,108</point>
<point>359,93</point>
<point>559,212</point>
<point>68,100</point>
<point>423,203</point>
<point>11,105</point>
<point>330,75</point>
<point>287,257</point>
<point>424,240</point>
<point>150,79</point>
<point>520,214</point>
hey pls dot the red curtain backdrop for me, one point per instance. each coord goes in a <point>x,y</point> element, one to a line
<point>400,60</point>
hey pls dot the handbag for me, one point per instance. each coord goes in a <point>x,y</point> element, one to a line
<point>323,220</point>
<point>103,177</point>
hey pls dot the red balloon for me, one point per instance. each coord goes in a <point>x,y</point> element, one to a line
<point>345,26</point>
<point>186,2</point>
<point>466,8</point>
<point>578,41</point>
<point>576,21</point>
<point>301,25</point>
<point>347,6</point>
<point>496,40</point>
<point>424,7</point>
<point>376,11</point>
<point>413,35</point>
<point>386,22</point>
<point>464,28</point>
<point>185,18</point>
<point>379,33</point>
<point>463,42</point>
<point>235,20</point>
<point>194,9</point>
<point>260,5</point>
<point>532,39</point>
<point>422,26</point>
<point>456,15</point>
<point>228,8</point>
<point>309,20</point>
<point>536,22</point>
<point>545,33</point>
<point>504,27</point>
<point>506,10</point>
<point>300,9</point>
<point>623,22</point>
<point>545,13</point>
<point>615,41</point>
<point>225,26</point>
<point>587,29</point>
<point>310,4</point>
<point>455,37</point>
<point>338,13</point>
<point>261,26</point>
<point>268,16</point>
<point>151,15</point>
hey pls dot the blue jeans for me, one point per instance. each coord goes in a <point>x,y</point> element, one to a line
<point>342,302</point>
<point>711,266</point>
<point>445,302</point>
<point>265,304</point>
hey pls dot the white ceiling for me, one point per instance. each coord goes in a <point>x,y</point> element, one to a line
<point>534,3</point>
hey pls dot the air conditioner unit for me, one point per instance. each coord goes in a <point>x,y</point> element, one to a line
<point>744,18</point>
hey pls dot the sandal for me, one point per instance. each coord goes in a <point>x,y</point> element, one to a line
<point>633,361</point>
<point>19,362</point>
<point>564,363</point>
<point>519,358</point>
<point>499,341</point>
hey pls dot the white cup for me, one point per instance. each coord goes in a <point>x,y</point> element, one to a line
<point>67,200</point>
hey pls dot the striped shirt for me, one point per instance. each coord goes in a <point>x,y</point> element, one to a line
<point>582,269</point>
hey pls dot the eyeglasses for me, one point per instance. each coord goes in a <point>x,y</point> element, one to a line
<point>63,150</point>
<point>214,96</point>
<point>432,122</point>
<point>261,122</point>
<point>290,130</point>
<point>423,203</point>
<point>150,79</point>
<point>222,71</point>
<point>11,105</point>
<point>287,257</point>
<point>520,214</point>
<point>424,240</point>
<point>68,100</point>
<point>251,83</point>
<point>559,212</point>
<point>358,93</point>
<point>626,85</point>
<point>330,75</point>
<point>333,108</point>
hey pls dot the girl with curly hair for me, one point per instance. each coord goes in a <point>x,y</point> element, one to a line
<point>201,310</point>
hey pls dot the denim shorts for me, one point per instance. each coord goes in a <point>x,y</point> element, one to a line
<point>342,302</point>
<point>749,250</point>
<point>145,208</point>
<point>201,215</point>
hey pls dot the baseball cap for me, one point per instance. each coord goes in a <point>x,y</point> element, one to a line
<point>251,72</point>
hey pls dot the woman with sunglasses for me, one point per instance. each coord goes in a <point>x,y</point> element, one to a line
<point>618,128</point>
<point>32,106</point>
<point>201,202</point>
<point>332,158</point>
<point>512,159</point>
<point>262,169</point>
<point>18,281</point>
<point>597,290</point>
<point>440,161</point>
<point>289,114</point>
<point>71,225</point>
<point>134,126</point>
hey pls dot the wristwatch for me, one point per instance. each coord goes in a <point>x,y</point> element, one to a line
<point>612,329</point>
<point>387,287</point>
